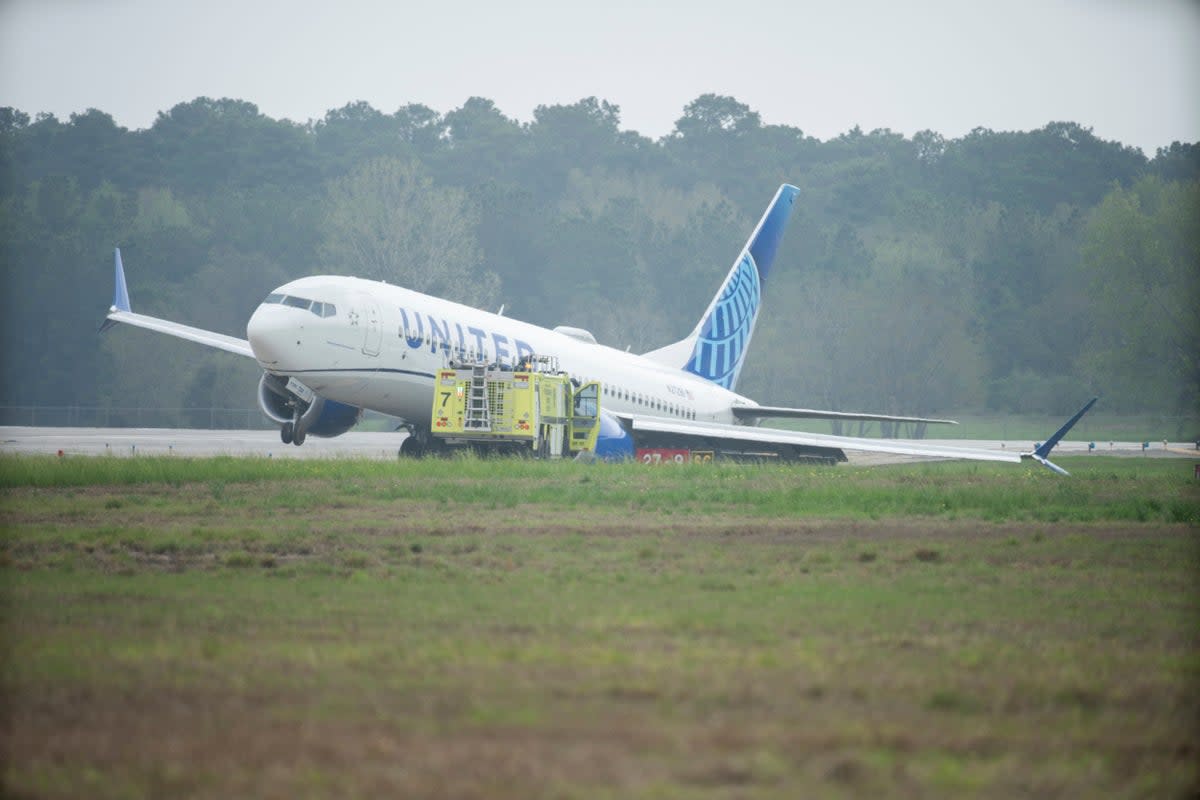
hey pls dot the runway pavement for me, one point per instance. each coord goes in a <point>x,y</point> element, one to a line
<point>360,444</point>
<point>193,443</point>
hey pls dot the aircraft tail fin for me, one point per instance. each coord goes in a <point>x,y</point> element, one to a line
<point>716,349</point>
<point>120,290</point>
<point>1041,453</point>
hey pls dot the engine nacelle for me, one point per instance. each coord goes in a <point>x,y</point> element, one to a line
<point>614,442</point>
<point>320,417</point>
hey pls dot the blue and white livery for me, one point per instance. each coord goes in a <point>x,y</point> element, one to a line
<point>331,346</point>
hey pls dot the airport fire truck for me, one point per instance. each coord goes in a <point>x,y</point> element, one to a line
<point>531,407</point>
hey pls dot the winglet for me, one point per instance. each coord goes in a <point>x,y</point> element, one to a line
<point>1041,453</point>
<point>120,291</point>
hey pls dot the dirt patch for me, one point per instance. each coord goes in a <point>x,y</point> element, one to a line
<point>217,743</point>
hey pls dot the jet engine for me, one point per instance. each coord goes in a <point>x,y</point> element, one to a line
<point>614,442</point>
<point>299,411</point>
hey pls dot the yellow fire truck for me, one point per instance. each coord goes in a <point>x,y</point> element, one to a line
<point>532,407</point>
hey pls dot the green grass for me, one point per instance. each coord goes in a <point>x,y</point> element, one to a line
<point>1101,488</point>
<point>514,629</point>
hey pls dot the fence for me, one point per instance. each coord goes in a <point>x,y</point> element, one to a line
<point>134,417</point>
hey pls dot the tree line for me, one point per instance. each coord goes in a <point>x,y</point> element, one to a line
<point>1007,271</point>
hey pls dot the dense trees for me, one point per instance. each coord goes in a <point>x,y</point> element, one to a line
<point>387,221</point>
<point>1007,270</point>
<point>1141,254</point>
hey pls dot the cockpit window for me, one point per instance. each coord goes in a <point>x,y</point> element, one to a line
<point>315,306</point>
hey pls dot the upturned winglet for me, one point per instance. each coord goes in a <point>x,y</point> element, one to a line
<point>1041,453</point>
<point>120,291</point>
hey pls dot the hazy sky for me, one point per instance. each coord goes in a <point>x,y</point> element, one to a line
<point>1130,70</point>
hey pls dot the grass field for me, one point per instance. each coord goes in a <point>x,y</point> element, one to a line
<point>512,629</point>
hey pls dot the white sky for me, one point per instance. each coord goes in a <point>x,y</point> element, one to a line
<point>1130,70</point>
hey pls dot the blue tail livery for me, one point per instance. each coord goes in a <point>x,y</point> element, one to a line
<point>717,348</point>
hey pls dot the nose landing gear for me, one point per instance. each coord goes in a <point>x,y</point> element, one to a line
<point>292,433</point>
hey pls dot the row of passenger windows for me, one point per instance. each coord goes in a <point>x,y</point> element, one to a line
<point>651,403</point>
<point>315,306</point>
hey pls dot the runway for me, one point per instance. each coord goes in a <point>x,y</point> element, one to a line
<point>195,443</point>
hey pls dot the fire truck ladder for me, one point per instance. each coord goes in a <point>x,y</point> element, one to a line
<point>478,413</point>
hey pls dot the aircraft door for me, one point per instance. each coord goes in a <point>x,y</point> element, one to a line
<point>372,333</point>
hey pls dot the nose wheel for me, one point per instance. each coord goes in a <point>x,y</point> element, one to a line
<point>289,434</point>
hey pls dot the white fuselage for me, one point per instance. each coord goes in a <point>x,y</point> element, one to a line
<point>378,346</point>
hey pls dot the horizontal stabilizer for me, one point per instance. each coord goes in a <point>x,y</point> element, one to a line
<point>776,412</point>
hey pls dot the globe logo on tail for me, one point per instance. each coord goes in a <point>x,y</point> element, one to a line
<point>725,333</point>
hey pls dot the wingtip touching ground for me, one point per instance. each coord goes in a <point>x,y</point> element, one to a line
<point>1041,453</point>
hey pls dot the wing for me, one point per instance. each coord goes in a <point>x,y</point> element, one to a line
<point>747,439</point>
<point>230,344</point>
<point>121,312</point>
<point>752,413</point>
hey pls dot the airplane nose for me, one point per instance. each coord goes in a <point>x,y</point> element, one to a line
<point>273,335</point>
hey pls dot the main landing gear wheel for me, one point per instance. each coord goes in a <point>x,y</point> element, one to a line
<point>412,447</point>
<point>298,437</point>
<point>285,432</point>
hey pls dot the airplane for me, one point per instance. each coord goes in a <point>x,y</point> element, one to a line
<point>331,346</point>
